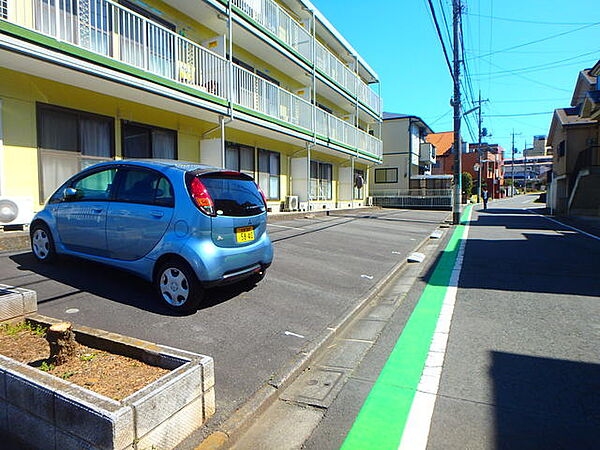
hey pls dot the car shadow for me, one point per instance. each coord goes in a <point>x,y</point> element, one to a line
<point>113,284</point>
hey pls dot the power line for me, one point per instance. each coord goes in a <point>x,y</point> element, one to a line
<point>541,66</point>
<point>519,115</point>
<point>439,33</point>
<point>531,80</point>
<point>553,36</point>
<point>506,19</point>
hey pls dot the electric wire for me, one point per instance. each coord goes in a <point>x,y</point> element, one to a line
<point>506,19</point>
<point>536,41</point>
<point>439,33</point>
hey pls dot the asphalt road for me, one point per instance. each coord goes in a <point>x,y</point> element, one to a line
<point>522,365</point>
<point>321,267</point>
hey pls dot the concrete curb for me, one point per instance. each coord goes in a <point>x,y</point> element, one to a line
<point>45,411</point>
<point>11,241</point>
<point>238,422</point>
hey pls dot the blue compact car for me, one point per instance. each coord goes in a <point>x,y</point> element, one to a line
<point>183,226</point>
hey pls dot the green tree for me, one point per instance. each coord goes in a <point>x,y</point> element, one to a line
<point>467,184</point>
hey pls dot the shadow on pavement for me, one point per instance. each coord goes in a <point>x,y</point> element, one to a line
<point>545,403</point>
<point>111,283</point>
<point>560,263</point>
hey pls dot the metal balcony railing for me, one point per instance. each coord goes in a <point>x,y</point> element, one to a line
<point>111,30</point>
<point>271,16</point>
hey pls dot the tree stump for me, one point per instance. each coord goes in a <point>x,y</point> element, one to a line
<point>62,342</point>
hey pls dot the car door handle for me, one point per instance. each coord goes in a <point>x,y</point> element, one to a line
<point>157,214</point>
<point>97,210</point>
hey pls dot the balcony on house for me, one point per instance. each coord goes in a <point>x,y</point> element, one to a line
<point>113,31</point>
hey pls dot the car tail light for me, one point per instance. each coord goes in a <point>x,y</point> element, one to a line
<point>262,194</point>
<point>201,197</point>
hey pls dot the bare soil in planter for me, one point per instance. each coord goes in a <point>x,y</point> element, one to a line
<point>108,374</point>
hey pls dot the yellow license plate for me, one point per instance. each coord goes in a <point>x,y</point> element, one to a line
<point>244,234</point>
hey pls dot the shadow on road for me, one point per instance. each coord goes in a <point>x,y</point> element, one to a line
<point>545,403</point>
<point>564,262</point>
<point>110,283</point>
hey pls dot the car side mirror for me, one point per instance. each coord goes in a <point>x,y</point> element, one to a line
<point>70,193</point>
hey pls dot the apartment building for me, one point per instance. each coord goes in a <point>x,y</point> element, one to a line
<point>573,137</point>
<point>406,153</point>
<point>266,87</point>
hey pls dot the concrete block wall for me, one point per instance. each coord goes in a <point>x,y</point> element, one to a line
<point>42,411</point>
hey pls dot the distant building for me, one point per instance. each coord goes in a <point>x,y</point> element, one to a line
<point>574,135</point>
<point>534,169</point>
<point>406,153</point>
<point>539,147</point>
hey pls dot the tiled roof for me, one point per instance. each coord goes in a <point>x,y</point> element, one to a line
<point>441,141</point>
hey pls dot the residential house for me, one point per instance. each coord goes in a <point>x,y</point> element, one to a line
<point>574,138</point>
<point>406,153</point>
<point>491,165</point>
<point>269,88</point>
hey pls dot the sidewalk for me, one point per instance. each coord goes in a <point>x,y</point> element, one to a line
<point>521,365</point>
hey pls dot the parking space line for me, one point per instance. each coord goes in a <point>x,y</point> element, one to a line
<point>286,227</point>
<point>384,416</point>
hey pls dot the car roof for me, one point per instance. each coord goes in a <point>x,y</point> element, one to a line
<point>162,164</point>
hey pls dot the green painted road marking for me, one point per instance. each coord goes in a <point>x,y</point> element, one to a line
<point>381,420</point>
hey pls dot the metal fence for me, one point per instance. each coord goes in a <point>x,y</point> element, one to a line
<point>439,199</point>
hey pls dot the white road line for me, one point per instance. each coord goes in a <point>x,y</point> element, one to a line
<point>283,226</point>
<point>593,236</point>
<point>416,431</point>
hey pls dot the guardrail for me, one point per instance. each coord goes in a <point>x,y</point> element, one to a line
<point>109,29</point>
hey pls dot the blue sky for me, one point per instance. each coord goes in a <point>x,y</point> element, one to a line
<point>398,39</point>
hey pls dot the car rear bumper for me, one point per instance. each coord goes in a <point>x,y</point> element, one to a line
<point>237,276</point>
<point>218,265</point>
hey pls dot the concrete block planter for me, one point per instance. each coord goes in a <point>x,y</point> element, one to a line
<point>16,302</point>
<point>43,411</point>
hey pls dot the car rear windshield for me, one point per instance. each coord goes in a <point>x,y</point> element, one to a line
<point>233,194</point>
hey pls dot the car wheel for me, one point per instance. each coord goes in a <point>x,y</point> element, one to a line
<point>42,244</point>
<point>177,286</point>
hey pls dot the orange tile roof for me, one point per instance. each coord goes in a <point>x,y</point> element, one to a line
<point>441,141</point>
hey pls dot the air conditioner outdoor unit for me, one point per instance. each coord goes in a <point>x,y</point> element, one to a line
<point>16,210</point>
<point>291,203</point>
<point>369,201</point>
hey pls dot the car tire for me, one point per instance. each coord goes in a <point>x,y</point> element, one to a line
<point>42,243</point>
<point>177,286</point>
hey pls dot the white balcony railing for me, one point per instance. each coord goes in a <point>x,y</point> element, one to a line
<point>111,30</point>
<point>271,16</point>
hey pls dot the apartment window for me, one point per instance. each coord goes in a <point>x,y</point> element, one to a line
<point>69,141</point>
<point>146,141</point>
<point>359,184</point>
<point>561,149</point>
<point>386,175</point>
<point>268,173</point>
<point>321,176</point>
<point>3,9</point>
<point>239,158</point>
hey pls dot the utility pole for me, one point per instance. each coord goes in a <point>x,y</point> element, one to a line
<point>512,162</point>
<point>525,167</point>
<point>479,121</point>
<point>456,17</point>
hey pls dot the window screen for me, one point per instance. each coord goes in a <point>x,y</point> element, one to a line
<point>69,141</point>
<point>268,173</point>
<point>386,175</point>
<point>239,158</point>
<point>146,141</point>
